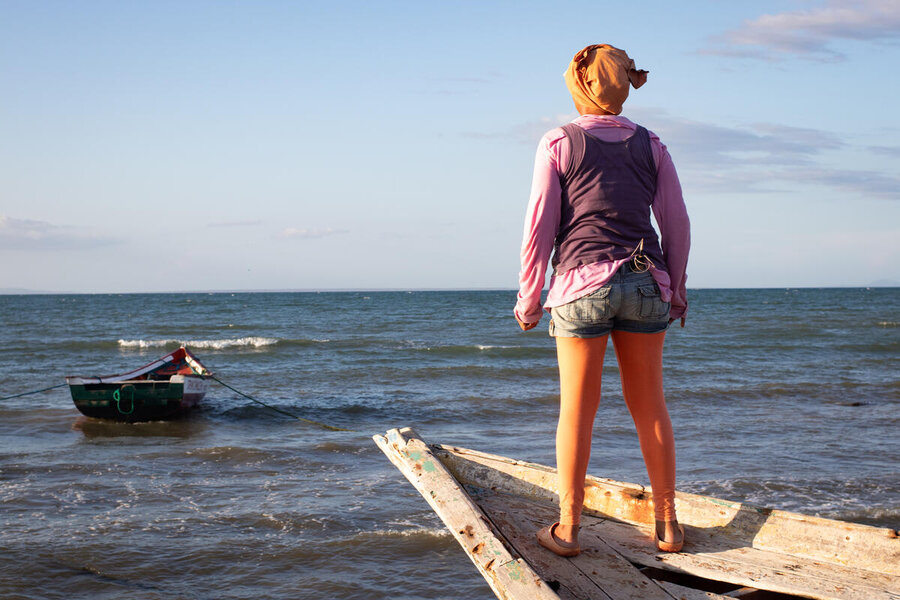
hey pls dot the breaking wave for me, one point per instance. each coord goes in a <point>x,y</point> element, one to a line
<point>254,342</point>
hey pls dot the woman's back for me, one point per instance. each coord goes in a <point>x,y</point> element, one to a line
<point>607,191</point>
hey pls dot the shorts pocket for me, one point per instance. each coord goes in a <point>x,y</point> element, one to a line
<point>587,309</point>
<point>652,305</point>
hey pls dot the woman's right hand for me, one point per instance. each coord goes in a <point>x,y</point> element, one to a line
<point>526,326</point>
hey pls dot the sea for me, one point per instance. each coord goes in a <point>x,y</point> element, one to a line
<point>786,398</point>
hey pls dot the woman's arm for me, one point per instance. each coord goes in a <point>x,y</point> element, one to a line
<point>541,226</point>
<point>674,228</point>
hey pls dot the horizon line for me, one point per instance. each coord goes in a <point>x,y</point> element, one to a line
<point>30,292</point>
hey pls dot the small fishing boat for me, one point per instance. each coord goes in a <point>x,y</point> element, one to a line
<point>494,505</point>
<point>164,389</point>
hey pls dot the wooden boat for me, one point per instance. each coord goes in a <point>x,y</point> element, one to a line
<point>494,505</point>
<point>164,389</point>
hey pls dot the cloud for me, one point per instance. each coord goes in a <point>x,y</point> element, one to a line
<point>762,157</point>
<point>865,183</point>
<point>294,233</point>
<point>461,85</point>
<point>755,158</point>
<point>893,151</point>
<point>247,223</point>
<point>525,133</point>
<point>28,234</point>
<point>702,144</point>
<point>811,33</point>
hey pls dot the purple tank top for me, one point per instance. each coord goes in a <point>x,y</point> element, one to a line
<point>607,190</point>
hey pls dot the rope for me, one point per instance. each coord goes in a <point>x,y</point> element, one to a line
<point>117,396</point>
<point>284,412</point>
<point>52,387</point>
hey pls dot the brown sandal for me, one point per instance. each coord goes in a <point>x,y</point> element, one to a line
<point>548,540</point>
<point>665,546</point>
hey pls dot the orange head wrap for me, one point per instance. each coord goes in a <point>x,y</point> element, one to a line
<point>598,79</point>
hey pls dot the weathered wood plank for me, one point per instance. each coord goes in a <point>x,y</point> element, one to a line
<point>726,541</point>
<point>509,576</point>
<point>707,554</point>
<point>598,572</point>
<point>744,592</point>
<point>679,592</point>
<point>849,544</point>
<point>515,517</point>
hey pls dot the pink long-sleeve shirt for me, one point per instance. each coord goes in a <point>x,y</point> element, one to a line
<point>542,225</point>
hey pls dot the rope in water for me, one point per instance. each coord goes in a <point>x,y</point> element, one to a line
<point>52,387</point>
<point>278,410</point>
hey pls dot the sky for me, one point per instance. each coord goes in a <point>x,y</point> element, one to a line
<point>224,145</point>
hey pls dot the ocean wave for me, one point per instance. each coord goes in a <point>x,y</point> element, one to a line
<point>876,517</point>
<point>889,323</point>
<point>255,342</point>
<point>424,532</point>
<point>868,500</point>
<point>491,351</point>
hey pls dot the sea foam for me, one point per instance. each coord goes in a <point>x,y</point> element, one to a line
<point>255,342</point>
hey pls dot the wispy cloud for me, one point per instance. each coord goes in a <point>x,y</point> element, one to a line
<point>886,150</point>
<point>461,85</point>
<point>295,233</point>
<point>761,144</point>
<point>247,223</point>
<point>757,157</point>
<point>28,234</point>
<point>762,157</point>
<point>524,133</point>
<point>811,33</point>
<point>861,183</point>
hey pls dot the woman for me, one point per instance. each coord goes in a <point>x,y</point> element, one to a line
<point>596,181</point>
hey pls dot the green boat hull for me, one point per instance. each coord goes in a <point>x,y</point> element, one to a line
<point>134,401</point>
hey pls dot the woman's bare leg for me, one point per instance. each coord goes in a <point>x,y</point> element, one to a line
<point>580,375</point>
<point>640,365</point>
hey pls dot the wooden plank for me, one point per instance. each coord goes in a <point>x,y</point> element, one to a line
<point>510,577</point>
<point>726,541</point>
<point>873,549</point>
<point>680,592</point>
<point>518,519</point>
<point>709,555</point>
<point>744,592</point>
<point>598,572</point>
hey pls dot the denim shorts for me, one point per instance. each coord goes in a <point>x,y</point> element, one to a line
<point>630,301</point>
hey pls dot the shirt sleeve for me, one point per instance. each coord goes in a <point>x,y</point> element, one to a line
<point>541,227</point>
<point>674,228</point>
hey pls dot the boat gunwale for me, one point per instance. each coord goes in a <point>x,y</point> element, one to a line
<point>75,380</point>
<point>198,368</point>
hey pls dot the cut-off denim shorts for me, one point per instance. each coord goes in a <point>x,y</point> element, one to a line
<point>630,301</point>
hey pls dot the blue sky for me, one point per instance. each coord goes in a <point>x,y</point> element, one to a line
<point>156,146</point>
